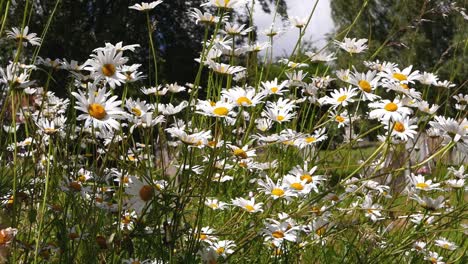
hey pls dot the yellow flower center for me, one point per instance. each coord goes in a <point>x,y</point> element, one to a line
<point>214,206</point>
<point>391,107</point>
<point>249,208</point>
<point>221,111</point>
<point>274,89</point>
<point>320,231</point>
<point>146,193</point>
<point>82,178</point>
<point>136,111</point>
<point>297,186</point>
<point>240,153</point>
<point>342,98</point>
<point>97,111</point>
<point>108,70</point>
<point>203,237</point>
<point>404,86</point>
<point>278,234</point>
<point>310,139</point>
<point>399,127</point>
<point>400,76</point>
<point>339,119</point>
<point>422,185</point>
<point>365,86</point>
<point>220,250</point>
<point>306,177</point>
<point>243,101</point>
<point>278,192</point>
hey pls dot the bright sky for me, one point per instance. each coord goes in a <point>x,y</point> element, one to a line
<point>320,24</point>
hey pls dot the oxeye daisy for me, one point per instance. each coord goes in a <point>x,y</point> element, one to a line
<point>434,258</point>
<point>277,232</point>
<point>297,184</point>
<point>311,139</point>
<point>248,205</point>
<point>344,75</point>
<point>157,91</point>
<point>429,203</point>
<point>321,56</point>
<point>204,18</point>
<point>99,111</point>
<point>141,194</point>
<point>144,6</point>
<point>243,97</point>
<point>235,29</point>
<point>367,83</point>
<point>445,84</point>
<point>451,128</point>
<point>215,204</point>
<point>222,68</point>
<point>445,244</point>
<point>169,109</point>
<point>198,139</point>
<point>216,109</point>
<point>388,110</point>
<point>225,4</point>
<point>352,45</point>
<point>296,78</point>
<point>278,190</point>
<point>341,97</point>
<point>272,87</point>
<point>242,153</point>
<point>298,22</point>
<point>428,78</point>
<point>404,76</point>
<point>279,111</point>
<point>341,118</point>
<point>420,183</point>
<point>462,101</point>
<point>23,36</point>
<point>380,66</point>
<point>402,128</point>
<point>137,107</point>
<point>106,65</point>
<point>371,209</point>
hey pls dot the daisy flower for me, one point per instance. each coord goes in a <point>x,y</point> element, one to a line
<point>273,87</point>
<point>366,82</point>
<point>297,184</point>
<point>277,232</point>
<point>169,109</point>
<point>450,127</point>
<point>445,244</point>
<point>7,235</point>
<point>434,258</point>
<point>428,78</point>
<point>236,29</point>
<point>380,66</point>
<point>278,190</point>
<point>215,204</point>
<point>405,76</point>
<point>341,118</point>
<point>321,56</point>
<point>222,68</point>
<point>445,84</point>
<point>216,109</point>
<point>420,183</point>
<point>243,97</point>
<point>204,18</point>
<point>157,91</point>
<point>199,139</point>
<point>308,140</point>
<point>99,111</point>
<point>388,110</point>
<point>145,6</point>
<point>242,153</point>
<point>226,4</point>
<point>248,205</point>
<point>222,248</point>
<point>280,111</point>
<point>344,75</point>
<point>106,65</point>
<point>402,128</point>
<point>456,183</point>
<point>371,210</point>
<point>341,97</point>
<point>298,22</point>
<point>352,45</point>
<point>138,107</point>
<point>429,203</point>
<point>462,101</point>
<point>141,193</point>
<point>23,36</point>
<point>296,78</point>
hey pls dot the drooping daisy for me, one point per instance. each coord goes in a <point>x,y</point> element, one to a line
<point>296,78</point>
<point>352,45</point>
<point>222,68</point>
<point>169,109</point>
<point>226,4</point>
<point>157,91</point>
<point>145,6</point>
<point>321,56</point>
<point>23,36</point>
<point>99,111</point>
<point>298,22</point>
<point>204,18</point>
<point>451,128</point>
<point>462,101</point>
<point>380,66</point>
<point>428,78</point>
<point>236,29</point>
<point>429,203</point>
<point>388,110</point>
<point>445,84</point>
